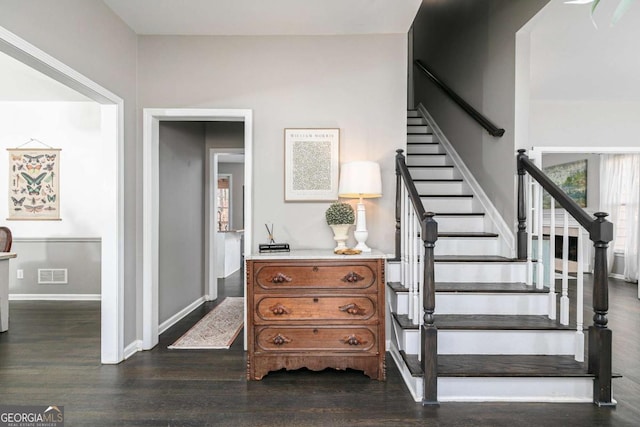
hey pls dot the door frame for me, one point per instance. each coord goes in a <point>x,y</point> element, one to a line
<point>150,199</point>
<point>112,164</point>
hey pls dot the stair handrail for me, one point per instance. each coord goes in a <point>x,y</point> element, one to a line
<point>475,114</point>
<point>429,236</point>
<point>600,233</point>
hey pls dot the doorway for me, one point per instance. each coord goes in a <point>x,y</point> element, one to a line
<point>112,165</point>
<point>151,125</point>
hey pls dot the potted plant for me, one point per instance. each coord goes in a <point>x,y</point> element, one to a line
<point>340,217</point>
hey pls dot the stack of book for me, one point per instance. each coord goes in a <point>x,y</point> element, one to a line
<point>273,247</point>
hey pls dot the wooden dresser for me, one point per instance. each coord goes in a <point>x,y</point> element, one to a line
<point>316,310</point>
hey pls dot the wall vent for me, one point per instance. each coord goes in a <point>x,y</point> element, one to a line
<point>52,276</point>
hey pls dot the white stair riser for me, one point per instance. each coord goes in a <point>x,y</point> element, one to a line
<point>428,160</point>
<point>411,130</point>
<point>433,173</point>
<point>492,303</point>
<point>460,223</point>
<point>490,272</point>
<point>539,342</point>
<point>418,137</point>
<point>515,389</point>
<point>407,339</point>
<point>427,148</point>
<point>413,113</point>
<point>494,342</point>
<point>416,121</point>
<point>467,246</point>
<point>448,204</point>
<point>439,187</point>
<point>393,271</point>
<point>398,302</point>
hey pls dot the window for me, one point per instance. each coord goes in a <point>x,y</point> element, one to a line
<point>223,202</point>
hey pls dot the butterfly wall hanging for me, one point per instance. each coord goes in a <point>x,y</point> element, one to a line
<point>34,183</point>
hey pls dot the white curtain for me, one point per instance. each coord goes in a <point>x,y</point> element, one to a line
<point>617,172</point>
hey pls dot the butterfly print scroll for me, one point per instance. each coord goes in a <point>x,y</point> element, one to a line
<point>34,184</point>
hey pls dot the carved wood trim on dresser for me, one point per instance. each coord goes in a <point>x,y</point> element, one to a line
<point>316,313</point>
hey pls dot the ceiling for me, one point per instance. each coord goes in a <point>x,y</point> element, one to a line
<point>266,17</point>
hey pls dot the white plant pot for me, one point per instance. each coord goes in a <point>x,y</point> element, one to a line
<point>340,234</point>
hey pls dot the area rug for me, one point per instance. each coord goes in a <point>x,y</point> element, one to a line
<point>218,329</point>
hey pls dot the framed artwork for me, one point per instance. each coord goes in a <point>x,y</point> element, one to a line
<point>34,191</point>
<point>571,178</point>
<point>311,164</point>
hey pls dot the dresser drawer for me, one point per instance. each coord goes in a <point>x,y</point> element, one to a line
<point>312,308</point>
<point>318,275</point>
<point>318,339</point>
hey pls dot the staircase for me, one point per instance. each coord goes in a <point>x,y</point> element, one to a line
<point>498,339</point>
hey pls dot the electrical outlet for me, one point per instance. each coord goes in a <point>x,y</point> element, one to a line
<point>20,273</point>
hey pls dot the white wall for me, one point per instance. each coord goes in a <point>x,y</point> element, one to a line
<point>74,127</point>
<point>355,83</point>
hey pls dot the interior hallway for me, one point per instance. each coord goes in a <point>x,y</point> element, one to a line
<point>51,356</point>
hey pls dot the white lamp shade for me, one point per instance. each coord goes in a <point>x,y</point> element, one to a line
<point>360,179</point>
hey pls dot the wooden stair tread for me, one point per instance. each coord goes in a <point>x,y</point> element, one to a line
<point>483,322</point>
<point>426,154</point>
<point>430,166</point>
<point>438,180</point>
<point>466,234</point>
<point>422,143</point>
<point>493,322</point>
<point>476,258</point>
<point>509,366</point>
<point>493,288</point>
<point>459,214</point>
<point>446,196</point>
<point>397,287</point>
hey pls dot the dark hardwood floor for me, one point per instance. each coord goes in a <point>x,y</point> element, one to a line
<point>51,356</point>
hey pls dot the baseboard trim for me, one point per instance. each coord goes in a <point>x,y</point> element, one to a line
<point>180,315</point>
<point>132,349</point>
<point>55,297</point>
<point>503,229</point>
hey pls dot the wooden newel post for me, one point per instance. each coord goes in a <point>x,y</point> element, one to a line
<point>429,330</point>
<point>600,337</point>
<point>522,208</point>
<point>399,157</point>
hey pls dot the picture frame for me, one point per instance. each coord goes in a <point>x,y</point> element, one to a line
<point>34,184</point>
<point>311,164</point>
<point>571,178</point>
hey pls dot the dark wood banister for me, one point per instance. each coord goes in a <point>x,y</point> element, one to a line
<point>475,114</point>
<point>429,236</point>
<point>601,233</point>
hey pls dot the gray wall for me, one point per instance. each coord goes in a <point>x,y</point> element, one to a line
<point>88,37</point>
<point>355,83</point>
<point>237,183</point>
<point>181,216</point>
<point>81,257</point>
<point>470,45</point>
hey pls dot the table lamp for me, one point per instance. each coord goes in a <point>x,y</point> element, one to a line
<point>360,180</point>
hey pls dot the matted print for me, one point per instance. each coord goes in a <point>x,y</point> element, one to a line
<point>311,164</point>
<point>34,191</point>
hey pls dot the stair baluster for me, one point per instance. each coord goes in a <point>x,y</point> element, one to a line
<point>540,235</point>
<point>564,299</point>
<point>601,233</point>
<point>552,260</point>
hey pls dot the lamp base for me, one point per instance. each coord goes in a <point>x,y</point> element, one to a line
<point>361,234</point>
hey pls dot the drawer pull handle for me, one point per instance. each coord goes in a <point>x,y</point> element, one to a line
<point>352,277</point>
<point>280,278</point>
<point>315,269</point>
<point>353,340</point>
<point>280,340</point>
<point>279,309</point>
<point>353,308</point>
